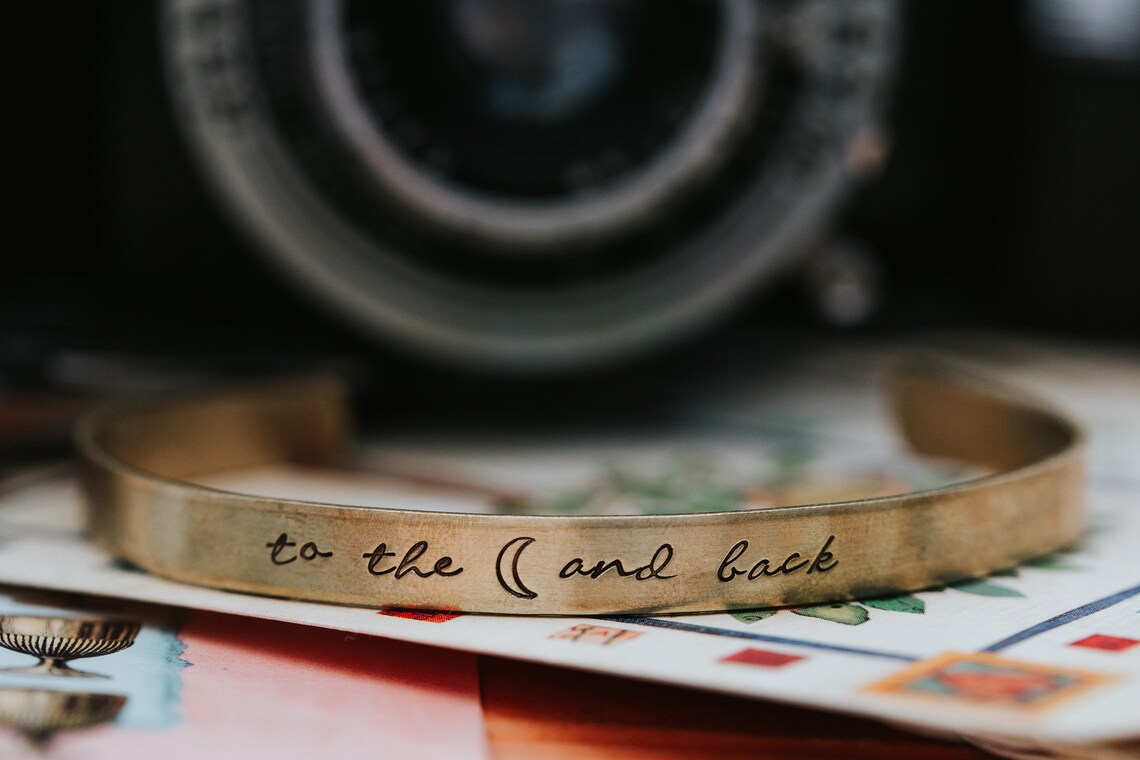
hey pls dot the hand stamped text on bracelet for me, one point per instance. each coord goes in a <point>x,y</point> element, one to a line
<point>140,462</point>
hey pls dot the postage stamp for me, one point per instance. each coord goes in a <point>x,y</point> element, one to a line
<point>987,679</point>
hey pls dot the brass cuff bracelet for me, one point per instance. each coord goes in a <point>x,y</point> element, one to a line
<point>139,461</point>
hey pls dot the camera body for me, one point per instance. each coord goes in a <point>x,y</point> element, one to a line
<point>241,194</point>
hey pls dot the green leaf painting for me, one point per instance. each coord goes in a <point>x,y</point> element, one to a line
<point>752,616</point>
<point>857,613</point>
<point>905,603</point>
<point>1051,562</point>
<point>847,614</point>
<point>984,588</point>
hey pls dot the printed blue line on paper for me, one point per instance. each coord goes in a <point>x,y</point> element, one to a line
<point>1063,619</point>
<point>709,630</point>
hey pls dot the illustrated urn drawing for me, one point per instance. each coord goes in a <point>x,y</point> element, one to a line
<point>56,640</point>
<point>39,713</point>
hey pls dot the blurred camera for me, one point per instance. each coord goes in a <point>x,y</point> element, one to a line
<point>530,184</point>
<point>518,185</point>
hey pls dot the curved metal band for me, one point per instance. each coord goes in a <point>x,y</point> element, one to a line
<point>139,462</point>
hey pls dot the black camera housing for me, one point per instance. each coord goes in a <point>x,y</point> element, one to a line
<point>1009,200</point>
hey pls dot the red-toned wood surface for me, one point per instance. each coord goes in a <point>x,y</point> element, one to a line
<point>536,712</point>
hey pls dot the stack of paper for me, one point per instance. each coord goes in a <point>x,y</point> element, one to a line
<point>1044,655</point>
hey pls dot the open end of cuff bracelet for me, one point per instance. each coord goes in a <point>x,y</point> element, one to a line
<point>140,461</point>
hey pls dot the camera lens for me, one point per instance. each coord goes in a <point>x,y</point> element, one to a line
<point>529,185</point>
<point>537,126</point>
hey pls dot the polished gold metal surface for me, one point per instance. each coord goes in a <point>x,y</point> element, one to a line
<point>140,462</point>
